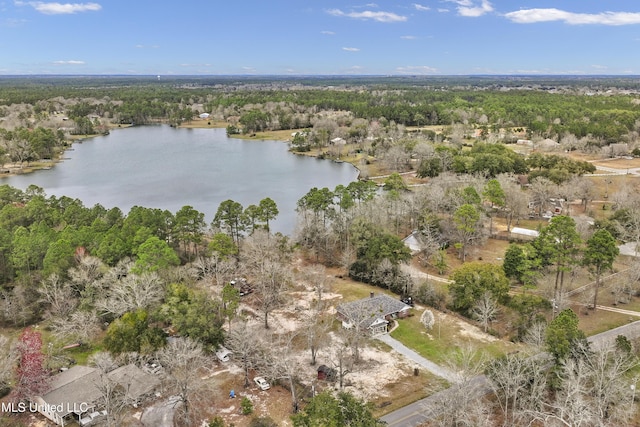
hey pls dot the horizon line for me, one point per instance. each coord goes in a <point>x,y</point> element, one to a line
<point>320,75</point>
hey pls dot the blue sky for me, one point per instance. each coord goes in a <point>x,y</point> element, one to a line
<point>298,37</point>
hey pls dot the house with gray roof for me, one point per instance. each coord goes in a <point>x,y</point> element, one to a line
<point>413,243</point>
<point>75,395</point>
<point>372,315</point>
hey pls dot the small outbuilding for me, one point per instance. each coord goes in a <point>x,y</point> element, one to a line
<point>326,373</point>
<point>412,242</point>
<point>524,233</point>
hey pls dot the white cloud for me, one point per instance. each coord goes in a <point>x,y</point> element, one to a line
<point>420,7</point>
<point>369,15</point>
<point>469,9</point>
<point>327,33</point>
<point>462,3</point>
<point>416,69</point>
<point>408,37</point>
<point>530,16</point>
<point>351,49</point>
<point>13,23</point>
<point>71,62</point>
<point>62,8</point>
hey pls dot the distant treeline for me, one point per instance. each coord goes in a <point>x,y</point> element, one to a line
<point>548,106</point>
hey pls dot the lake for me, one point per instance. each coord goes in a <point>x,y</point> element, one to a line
<point>168,168</point>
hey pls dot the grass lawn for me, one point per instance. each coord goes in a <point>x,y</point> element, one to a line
<point>600,320</point>
<point>448,334</point>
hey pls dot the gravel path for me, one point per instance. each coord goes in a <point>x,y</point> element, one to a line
<point>161,414</point>
<point>417,274</point>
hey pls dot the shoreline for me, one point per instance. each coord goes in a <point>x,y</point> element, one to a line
<point>46,164</point>
<point>10,169</point>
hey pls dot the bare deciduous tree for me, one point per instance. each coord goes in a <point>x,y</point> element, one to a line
<point>460,404</point>
<point>184,360</point>
<point>80,326</point>
<point>112,395</point>
<point>244,340</point>
<point>218,269</point>
<point>270,285</point>
<point>571,405</point>
<point>519,383</point>
<point>316,329</point>
<point>131,293</point>
<point>542,189</point>
<point>535,336</point>
<point>58,295</point>
<point>88,270</point>
<point>582,188</point>
<point>264,257</point>
<point>516,201</point>
<point>485,310</point>
<point>397,158</point>
<point>341,358</point>
<point>593,389</point>
<point>18,306</point>
<point>355,328</point>
<point>320,281</point>
<point>281,364</point>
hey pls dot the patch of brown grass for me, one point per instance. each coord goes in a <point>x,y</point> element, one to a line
<point>204,124</point>
<point>352,290</point>
<point>593,322</point>
<point>491,252</point>
<point>608,185</point>
<point>618,163</point>
<point>407,390</point>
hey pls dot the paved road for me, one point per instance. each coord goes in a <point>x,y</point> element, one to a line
<point>414,414</point>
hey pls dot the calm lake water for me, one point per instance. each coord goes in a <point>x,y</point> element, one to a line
<point>167,168</point>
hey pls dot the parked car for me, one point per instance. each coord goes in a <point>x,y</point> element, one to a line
<point>224,354</point>
<point>407,300</point>
<point>262,383</point>
<point>152,368</point>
